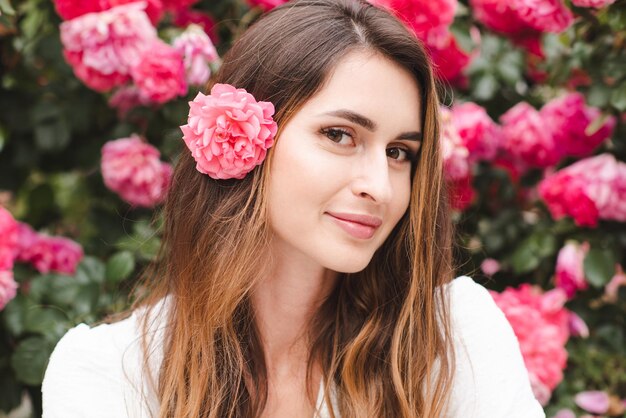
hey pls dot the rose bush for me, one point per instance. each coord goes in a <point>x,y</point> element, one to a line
<point>534,138</point>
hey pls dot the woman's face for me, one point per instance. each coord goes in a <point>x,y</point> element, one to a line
<point>341,171</point>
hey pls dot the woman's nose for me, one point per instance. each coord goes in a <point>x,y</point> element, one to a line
<point>372,178</point>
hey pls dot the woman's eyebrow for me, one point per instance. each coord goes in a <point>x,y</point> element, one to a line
<point>369,124</point>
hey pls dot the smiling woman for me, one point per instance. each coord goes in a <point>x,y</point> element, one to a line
<point>319,283</point>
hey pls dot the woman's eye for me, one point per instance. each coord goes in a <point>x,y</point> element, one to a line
<point>338,136</point>
<point>398,153</point>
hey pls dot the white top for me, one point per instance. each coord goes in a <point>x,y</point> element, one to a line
<point>96,372</point>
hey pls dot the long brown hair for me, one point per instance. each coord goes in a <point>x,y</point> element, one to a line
<point>383,336</point>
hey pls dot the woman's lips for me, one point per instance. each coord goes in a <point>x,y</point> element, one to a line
<point>359,226</point>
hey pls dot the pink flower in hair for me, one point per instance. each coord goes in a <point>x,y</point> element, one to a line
<point>8,287</point>
<point>132,168</point>
<point>228,132</point>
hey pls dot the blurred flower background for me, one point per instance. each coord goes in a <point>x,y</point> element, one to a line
<point>534,136</point>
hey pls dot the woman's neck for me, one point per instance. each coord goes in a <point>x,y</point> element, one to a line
<point>284,303</point>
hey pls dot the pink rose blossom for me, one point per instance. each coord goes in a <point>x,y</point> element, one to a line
<point>594,401</point>
<point>423,16</point>
<point>228,132</point>
<point>48,253</point>
<point>70,9</point>
<point>570,274</point>
<point>593,3</point>
<point>26,240</point>
<point>132,168</point>
<point>176,5</point>
<point>455,154</point>
<point>565,413</point>
<point>198,51</point>
<point>570,118</point>
<point>540,323</point>
<point>266,4</point>
<point>544,15</point>
<point>449,59</point>
<point>462,194</point>
<point>520,18</point>
<point>160,73</point>
<point>526,137</point>
<point>103,47</point>
<point>8,287</point>
<point>185,17</point>
<point>566,195</point>
<point>490,266</point>
<point>8,239</point>
<point>578,327</point>
<point>589,189</point>
<point>479,132</point>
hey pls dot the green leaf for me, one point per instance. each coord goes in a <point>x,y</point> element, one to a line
<point>529,254</point>
<point>14,313</point>
<point>6,8</point>
<point>120,266</point>
<point>87,299</point>
<point>486,87</point>
<point>90,270</point>
<point>29,360</point>
<point>618,97</point>
<point>10,391</point>
<point>45,321</point>
<point>599,266</point>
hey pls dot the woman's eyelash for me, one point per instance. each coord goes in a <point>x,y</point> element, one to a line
<point>336,131</point>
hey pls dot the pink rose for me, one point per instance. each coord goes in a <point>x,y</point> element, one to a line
<point>160,73</point>
<point>589,189</point>
<point>479,132</point>
<point>132,168</point>
<point>70,9</point>
<point>592,3</point>
<point>540,323</point>
<point>449,59</point>
<point>103,47</point>
<point>198,51</point>
<point>455,154</point>
<point>8,239</point>
<point>185,17</point>
<point>462,194</point>
<point>565,413</point>
<point>570,118</point>
<point>57,254</point>
<point>526,136</point>
<point>423,16</point>
<point>8,287</point>
<point>228,132</point>
<point>26,240</point>
<point>266,4</point>
<point>565,195</point>
<point>176,5</point>
<point>544,15</point>
<point>570,274</point>
<point>490,266</point>
<point>594,401</point>
<point>499,16</point>
<point>48,253</point>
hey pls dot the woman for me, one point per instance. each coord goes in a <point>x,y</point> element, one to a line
<point>320,282</point>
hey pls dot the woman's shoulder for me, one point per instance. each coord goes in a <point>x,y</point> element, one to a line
<point>491,378</point>
<point>97,371</point>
